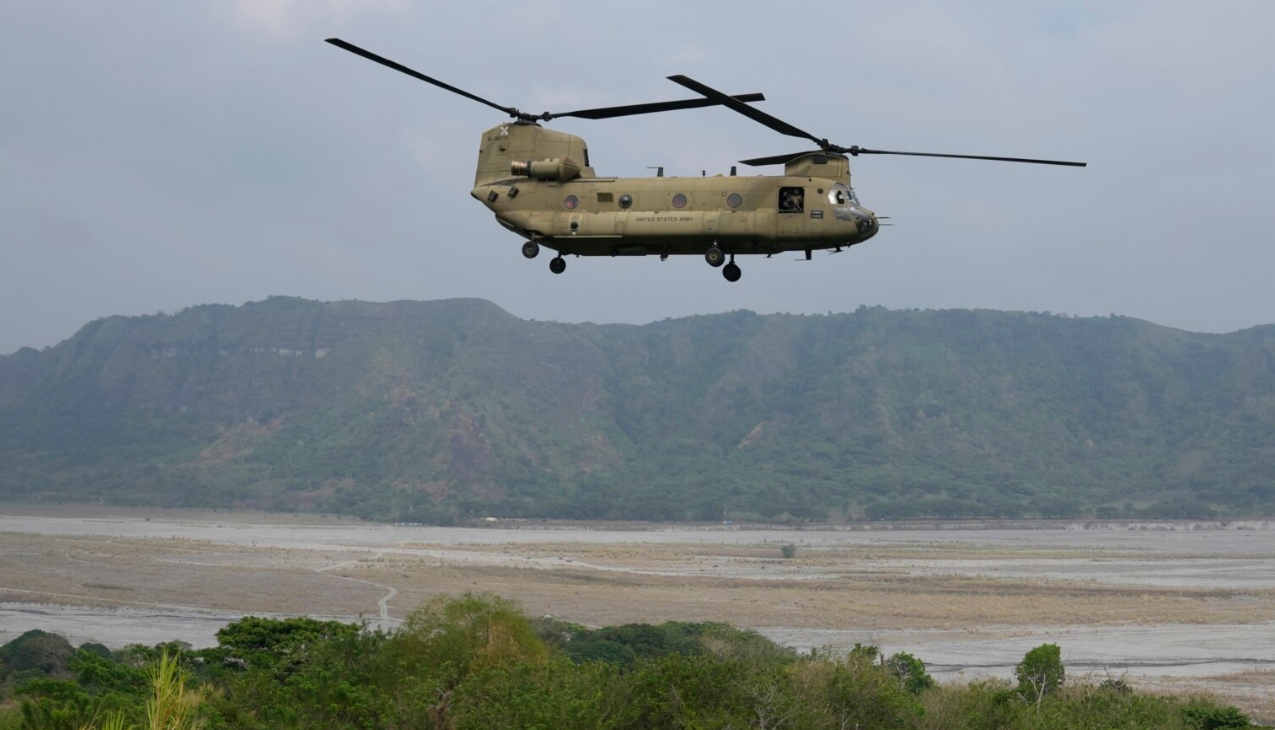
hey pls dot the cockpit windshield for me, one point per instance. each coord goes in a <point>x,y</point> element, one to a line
<point>840,195</point>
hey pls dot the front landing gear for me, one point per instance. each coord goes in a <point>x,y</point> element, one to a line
<point>531,249</point>
<point>557,264</point>
<point>714,256</point>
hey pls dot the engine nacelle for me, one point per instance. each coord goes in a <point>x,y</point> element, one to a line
<point>556,168</point>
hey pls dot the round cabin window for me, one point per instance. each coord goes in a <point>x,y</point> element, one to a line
<point>735,200</point>
<point>571,202</point>
<point>679,201</point>
<point>626,201</point>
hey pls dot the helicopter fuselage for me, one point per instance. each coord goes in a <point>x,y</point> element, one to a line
<point>533,181</point>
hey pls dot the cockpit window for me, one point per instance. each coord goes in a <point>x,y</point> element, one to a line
<point>840,195</point>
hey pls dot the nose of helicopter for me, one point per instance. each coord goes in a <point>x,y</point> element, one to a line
<point>865,221</point>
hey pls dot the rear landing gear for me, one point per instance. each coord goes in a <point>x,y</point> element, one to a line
<point>557,264</point>
<point>732,272</point>
<point>531,249</point>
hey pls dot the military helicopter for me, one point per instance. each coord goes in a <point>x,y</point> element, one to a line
<point>539,184</point>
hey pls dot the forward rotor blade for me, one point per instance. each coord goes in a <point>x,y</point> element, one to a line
<point>862,151</point>
<point>651,108</point>
<point>752,113</point>
<point>778,159</point>
<point>418,75</point>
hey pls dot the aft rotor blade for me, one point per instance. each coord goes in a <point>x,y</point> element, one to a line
<point>862,151</point>
<point>752,113</point>
<point>778,159</point>
<point>651,108</point>
<point>418,75</point>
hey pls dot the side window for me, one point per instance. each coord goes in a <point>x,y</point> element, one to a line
<point>792,200</point>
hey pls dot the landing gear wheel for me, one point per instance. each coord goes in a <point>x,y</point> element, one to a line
<point>531,249</point>
<point>732,272</point>
<point>714,257</point>
<point>557,264</point>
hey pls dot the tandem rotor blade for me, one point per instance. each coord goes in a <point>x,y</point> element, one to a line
<point>756,115</point>
<point>783,127</point>
<point>418,75</point>
<point>856,150</point>
<point>600,113</point>
<point>777,159</point>
<point>651,108</point>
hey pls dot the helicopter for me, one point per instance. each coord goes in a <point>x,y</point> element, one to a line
<point>539,184</point>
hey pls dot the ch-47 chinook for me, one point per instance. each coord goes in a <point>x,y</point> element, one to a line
<point>539,184</point>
